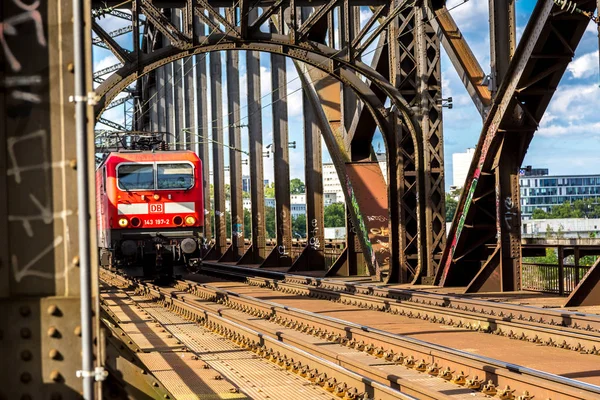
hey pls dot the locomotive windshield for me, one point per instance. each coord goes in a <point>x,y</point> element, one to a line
<point>174,176</point>
<point>135,176</point>
<point>162,176</point>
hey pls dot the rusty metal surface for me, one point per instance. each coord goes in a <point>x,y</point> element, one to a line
<point>578,366</point>
<point>484,250</point>
<point>369,198</point>
<point>331,377</point>
<point>39,250</point>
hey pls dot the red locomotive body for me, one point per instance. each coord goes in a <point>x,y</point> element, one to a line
<point>150,209</point>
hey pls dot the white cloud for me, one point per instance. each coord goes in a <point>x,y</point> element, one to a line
<point>584,66</point>
<point>470,15</point>
<point>105,62</point>
<point>575,130</point>
<point>592,27</point>
<point>365,15</point>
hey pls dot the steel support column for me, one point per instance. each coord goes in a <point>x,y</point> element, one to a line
<point>236,250</point>
<point>403,75</point>
<point>312,258</point>
<point>429,81</point>
<point>216,104</point>
<point>503,42</point>
<point>202,131</point>
<point>280,255</point>
<point>485,236</point>
<point>180,137</point>
<point>256,253</point>
<point>39,246</point>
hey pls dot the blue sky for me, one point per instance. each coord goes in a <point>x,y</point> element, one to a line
<point>568,141</point>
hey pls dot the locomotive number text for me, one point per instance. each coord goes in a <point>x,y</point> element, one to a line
<point>156,221</point>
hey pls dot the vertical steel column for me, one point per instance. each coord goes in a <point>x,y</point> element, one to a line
<point>403,75</point>
<point>256,253</point>
<point>161,98</point>
<point>312,258</point>
<point>216,105</point>
<point>179,135</point>
<point>280,255</point>
<point>153,94</point>
<point>236,251</point>
<point>350,26</point>
<point>430,112</point>
<point>40,253</point>
<point>201,130</point>
<point>189,125</point>
<point>502,38</point>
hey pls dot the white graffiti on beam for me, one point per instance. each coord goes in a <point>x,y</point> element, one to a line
<point>27,270</point>
<point>15,169</point>
<point>45,215</point>
<point>24,82</point>
<point>8,28</point>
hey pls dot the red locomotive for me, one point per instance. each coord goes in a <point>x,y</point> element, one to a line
<point>150,209</point>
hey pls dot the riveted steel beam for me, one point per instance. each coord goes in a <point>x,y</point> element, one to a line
<point>466,65</point>
<point>40,252</point>
<point>236,250</point>
<point>491,200</point>
<point>256,252</point>
<point>280,255</point>
<point>503,38</point>
<point>216,104</point>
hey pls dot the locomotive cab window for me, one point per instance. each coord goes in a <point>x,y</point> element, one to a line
<point>135,176</point>
<point>174,176</point>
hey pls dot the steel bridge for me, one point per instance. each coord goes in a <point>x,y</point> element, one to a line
<point>395,218</point>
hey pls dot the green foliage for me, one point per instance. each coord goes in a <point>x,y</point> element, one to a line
<point>451,205</point>
<point>296,186</point>
<point>270,222</point>
<point>588,208</point>
<point>335,215</point>
<point>299,226</point>
<point>270,190</point>
<point>247,224</point>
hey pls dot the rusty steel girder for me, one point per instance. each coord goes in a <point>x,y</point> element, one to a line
<point>343,64</point>
<point>485,249</point>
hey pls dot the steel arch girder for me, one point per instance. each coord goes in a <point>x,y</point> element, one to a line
<point>313,54</point>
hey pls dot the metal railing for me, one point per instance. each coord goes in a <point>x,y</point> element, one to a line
<point>551,278</point>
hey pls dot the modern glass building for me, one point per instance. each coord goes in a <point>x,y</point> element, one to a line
<point>540,190</point>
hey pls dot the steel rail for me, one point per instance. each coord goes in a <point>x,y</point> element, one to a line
<point>341,381</point>
<point>573,319</point>
<point>538,383</point>
<point>527,329</point>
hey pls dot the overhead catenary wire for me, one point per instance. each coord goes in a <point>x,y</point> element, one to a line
<point>236,123</point>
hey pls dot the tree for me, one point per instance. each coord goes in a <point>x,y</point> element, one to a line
<point>451,206</point>
<point>270,222</point>
<point>247,224</point>
<point>588,208</point>
<point>270,190</point>
<point>538,213</point>
<point>296,186</point>
<point>335,215</point>
<point>299,226</point>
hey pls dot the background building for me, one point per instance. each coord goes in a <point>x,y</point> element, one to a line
<point>546,191</point>
<point>461,162</point>
<point>565,227</point>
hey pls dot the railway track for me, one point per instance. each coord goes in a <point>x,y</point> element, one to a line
<point>557,328</point>
<point>332,378</point>
<point>417,368</point>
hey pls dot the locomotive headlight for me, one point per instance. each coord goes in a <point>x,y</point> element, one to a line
<point>123,222</point>
<point>190,220</point>
<point>156,197</point>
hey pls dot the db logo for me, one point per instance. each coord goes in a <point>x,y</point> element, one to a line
<point>157,208</point>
